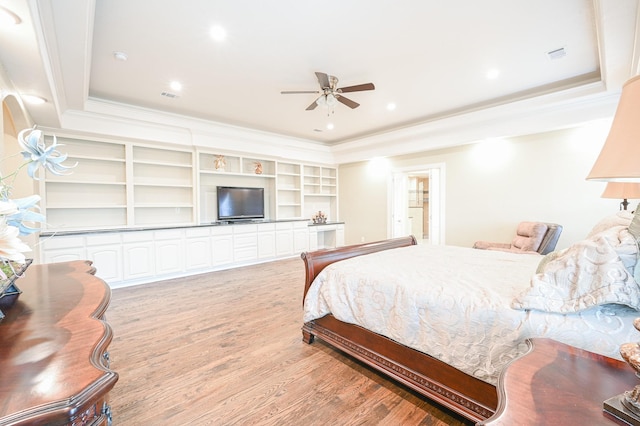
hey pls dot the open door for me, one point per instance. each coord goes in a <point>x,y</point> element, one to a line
<point>402,215</point>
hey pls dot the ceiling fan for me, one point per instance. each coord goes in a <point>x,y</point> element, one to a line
<point>330,93</point>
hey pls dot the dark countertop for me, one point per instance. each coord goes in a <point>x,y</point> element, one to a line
<point>158,228</point>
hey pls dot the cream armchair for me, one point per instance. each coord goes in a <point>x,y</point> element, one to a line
<point>531,237</point>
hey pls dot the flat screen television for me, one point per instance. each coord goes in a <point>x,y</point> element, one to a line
<point>238,203</point>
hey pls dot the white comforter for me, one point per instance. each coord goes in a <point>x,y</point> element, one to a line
<point>455,305</point>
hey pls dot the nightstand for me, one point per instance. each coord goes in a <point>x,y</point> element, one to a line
<point>557,384</point>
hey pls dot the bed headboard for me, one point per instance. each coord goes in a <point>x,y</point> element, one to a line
<point>316,261</point>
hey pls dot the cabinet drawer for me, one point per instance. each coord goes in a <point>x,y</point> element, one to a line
<point>221,230</point>
<point>266,227</point>
<point>100,239</point>
<point>246,253</point>
<point>62,242</point>
<point>248,240</point>
<point>245,229</point>
<point>198,232</point>
<point>168,234</point>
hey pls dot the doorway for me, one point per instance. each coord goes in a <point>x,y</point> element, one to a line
<point>417,203</point>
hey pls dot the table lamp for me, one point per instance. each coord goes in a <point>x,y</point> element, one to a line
<point>619,161</point>
<point>622,190</point>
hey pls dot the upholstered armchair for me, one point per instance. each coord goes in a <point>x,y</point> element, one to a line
<point>531,237</point>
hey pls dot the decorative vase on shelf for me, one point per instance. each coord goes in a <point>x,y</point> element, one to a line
<point>220,163</point>
<point>258,167</point>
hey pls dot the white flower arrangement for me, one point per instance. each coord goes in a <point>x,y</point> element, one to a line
<point>15,214</point>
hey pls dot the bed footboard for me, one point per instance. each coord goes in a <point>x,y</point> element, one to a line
<point>448,386</point>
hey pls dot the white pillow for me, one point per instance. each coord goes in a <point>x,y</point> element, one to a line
<point>595,271</point>
<point>621,218</point>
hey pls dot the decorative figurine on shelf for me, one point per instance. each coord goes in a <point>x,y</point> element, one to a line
<point>258,167</point>
<point>319,217</point>
<point>220,163</point>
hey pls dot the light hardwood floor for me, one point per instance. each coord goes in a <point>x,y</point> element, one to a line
<point>225,348</point>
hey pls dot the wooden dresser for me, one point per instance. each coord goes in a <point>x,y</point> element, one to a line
<point>54,364</point>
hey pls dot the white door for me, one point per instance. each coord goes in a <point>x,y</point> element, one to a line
<point>400,225</point>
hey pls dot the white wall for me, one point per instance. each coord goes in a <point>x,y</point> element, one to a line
<point>538,177</point>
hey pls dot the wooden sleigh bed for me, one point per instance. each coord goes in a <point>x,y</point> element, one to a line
<point>462,393</point>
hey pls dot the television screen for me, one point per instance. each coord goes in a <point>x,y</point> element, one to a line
<point>235,203</point>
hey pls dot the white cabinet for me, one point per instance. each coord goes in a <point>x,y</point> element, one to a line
<point>139,256</point>
<point>168,251</point>
<point>105,251</point>
<point>266,240</point>
<point>222,245</point>
<point>284,238</point>
<point>137,252</point>
<point>63,249</point>
<point>245,243</point>
<point>198,249</point>
<point>300,237</point>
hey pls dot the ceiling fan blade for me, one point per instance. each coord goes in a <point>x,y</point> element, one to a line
<point>313,105</point>
<point>357,88</point>
<point>323,79</point>
<point>347,102</point>
<point>290,92</point>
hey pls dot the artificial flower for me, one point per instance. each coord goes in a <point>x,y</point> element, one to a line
<point>37,154</point>
<point>25,214</point>
<point>11,247</point>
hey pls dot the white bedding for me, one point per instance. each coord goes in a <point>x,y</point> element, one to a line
<point>446,309</point>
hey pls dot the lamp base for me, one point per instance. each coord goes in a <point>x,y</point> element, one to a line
<point>616,408</point>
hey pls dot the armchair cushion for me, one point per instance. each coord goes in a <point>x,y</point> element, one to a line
<point>531,237</point>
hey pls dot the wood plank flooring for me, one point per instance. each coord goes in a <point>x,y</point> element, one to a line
<point>225,348</point>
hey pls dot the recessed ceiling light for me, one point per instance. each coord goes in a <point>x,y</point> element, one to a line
<point>8,18</point>
<point>493,73</point>
<point>120,56</point>
<point>176,85</point>
<point>329,126</point>
<point>218,33</point>
<point>33,99</point>
<point>391,106</point>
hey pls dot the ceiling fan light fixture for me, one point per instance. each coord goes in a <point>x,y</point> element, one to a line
<point>331,100</point>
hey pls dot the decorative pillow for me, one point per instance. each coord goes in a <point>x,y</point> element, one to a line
<point>634,226</point>
<point>596,271</point>
<point>621,218</point>
<point>546,259</point>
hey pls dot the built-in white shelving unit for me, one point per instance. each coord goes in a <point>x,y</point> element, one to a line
<point>289,190</point>
<point>320,191</point>
<point>162,186</point>
<point>130,185</point>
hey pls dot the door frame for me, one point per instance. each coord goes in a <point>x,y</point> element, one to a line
<point>398,200</point>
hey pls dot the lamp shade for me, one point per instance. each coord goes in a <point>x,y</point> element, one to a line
<point>622,190</point>
<point>619,159</point>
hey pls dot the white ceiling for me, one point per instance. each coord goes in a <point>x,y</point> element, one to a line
<point>429,57</point>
